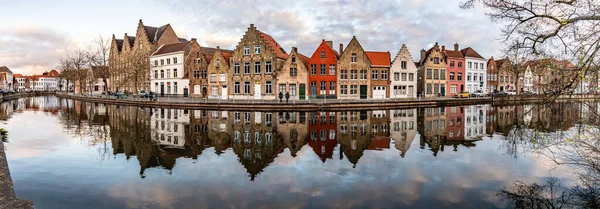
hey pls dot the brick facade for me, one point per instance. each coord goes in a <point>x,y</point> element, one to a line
<point>293,76</point>
<point>255,60</point>
<point>353,72</point>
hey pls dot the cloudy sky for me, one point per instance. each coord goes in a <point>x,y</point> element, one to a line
<point>35,34</point>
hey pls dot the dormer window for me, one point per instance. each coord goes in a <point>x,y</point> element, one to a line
<point>323,54</point>
<point>353,59</point>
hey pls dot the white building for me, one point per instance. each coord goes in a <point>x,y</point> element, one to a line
<point>167,71</point>
<point>404,128</point>
<point>475,69</point>
<point>528,80</point>
<point>168,126</point>
<point>404,75</point>
<point>475,121</point>
<point>19,83</point>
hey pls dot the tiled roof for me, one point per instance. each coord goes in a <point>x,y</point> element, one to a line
<point>453,54</point>
<point>155,33</point>
<point>379,58</point>
<point>182,40</point>
<point>209,53</point>
<point>470,52</point>
<point>53,72</point>
<point>131,40</point>
<point>4,69</point>
<point>168,48</point>
<point>18,76</point>
<point>119,44</point>
<point>304,59</point>
<point>277,49</point>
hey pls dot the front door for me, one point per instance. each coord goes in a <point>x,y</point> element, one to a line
<point>185,92</point>
<point>410,91</point>
<point>257,90</point>
<point>443,90</point>
<point>313,91</point>
<point>162,89</point>
<point>303,92</point>
<point>363,91</point>
<point>224,92</point>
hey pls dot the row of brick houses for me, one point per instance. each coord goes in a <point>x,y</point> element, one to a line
<point>260,68</point>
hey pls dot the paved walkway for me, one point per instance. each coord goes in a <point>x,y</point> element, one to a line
<point>179,99</point>
<point>7,192</point>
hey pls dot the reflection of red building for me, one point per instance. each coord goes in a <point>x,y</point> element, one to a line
<point>322,66</point>
<point>379,143</point>
<point>454,123</point>
<point>456,70</point>
<point>322,128</point>
<point>324,149</point>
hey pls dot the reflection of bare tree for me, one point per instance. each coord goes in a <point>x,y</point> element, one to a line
<point>566,134</point>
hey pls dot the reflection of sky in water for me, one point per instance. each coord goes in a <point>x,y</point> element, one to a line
<point>56,170</point>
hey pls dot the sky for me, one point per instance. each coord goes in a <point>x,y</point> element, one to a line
<point>34,35</point>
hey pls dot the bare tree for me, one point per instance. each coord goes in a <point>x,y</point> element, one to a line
<point>566,29</point>
<point>99,60</point>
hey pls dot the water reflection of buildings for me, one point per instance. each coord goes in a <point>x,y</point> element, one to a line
<point>49,105</point>
<point>158,137</point>
<point>403,128</point>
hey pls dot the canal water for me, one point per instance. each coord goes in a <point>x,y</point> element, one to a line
<point>72,154</point>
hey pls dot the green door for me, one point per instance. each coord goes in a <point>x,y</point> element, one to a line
<point>363,91</point>
<point>302,92</point>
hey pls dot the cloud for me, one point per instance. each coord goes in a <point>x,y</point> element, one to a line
<point>378,25</point>
<point>31,49</point>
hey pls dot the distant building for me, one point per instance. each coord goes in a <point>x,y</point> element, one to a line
<point>380,74</point>
<point>19,83</point>
<point>293,76</point>
<point>132,51</point>
<point>353,70</point>
<point>455,65</point>
<point>323,83</point>
<point>6,78</point>
<point>255,60</point>
<point>432,73</point>
<point>476,70</point>
<point>403,75</point>
<point>169,64</point>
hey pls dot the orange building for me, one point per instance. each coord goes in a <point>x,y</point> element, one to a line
<point>322,67</point>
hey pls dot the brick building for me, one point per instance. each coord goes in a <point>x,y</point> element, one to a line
<point>293,76</point>
<point>455,66</point>
<point>353,70</point>
<point>255,59</point>
<point>323,68</point>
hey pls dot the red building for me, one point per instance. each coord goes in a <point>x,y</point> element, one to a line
<point>322,129</point>
<point>322,66</point>
<point>455,62</point>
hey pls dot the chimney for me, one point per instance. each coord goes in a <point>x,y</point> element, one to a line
<point>422,54</point>
<point>444,48</point>
<point>295,49</point>
<point>194,40</point>
<point>252,25</point>
<point>329,43</point>
<point>341,48</point>
<point>218,47</point>
<point>456,47</point>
